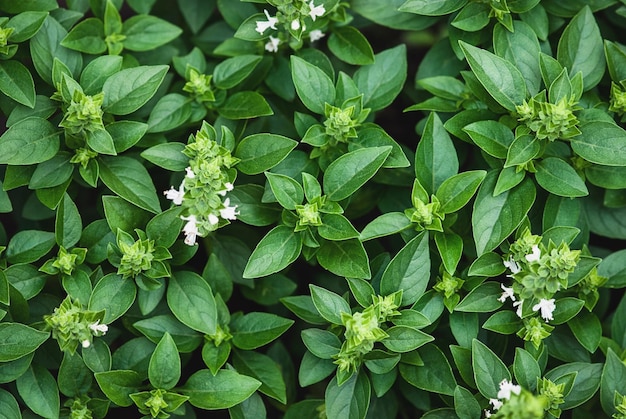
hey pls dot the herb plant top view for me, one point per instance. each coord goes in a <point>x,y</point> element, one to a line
<point>310,209</point>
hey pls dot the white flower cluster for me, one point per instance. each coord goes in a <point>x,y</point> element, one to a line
<point>190,229</point>
<point>546,306</point>
<point>98,330</point>
<point>272,45</point>
<point>504,393</point>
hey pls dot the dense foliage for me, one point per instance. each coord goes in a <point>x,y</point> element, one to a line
<point>313,208</point>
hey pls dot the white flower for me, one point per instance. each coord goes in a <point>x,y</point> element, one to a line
<point>535,255</point>
<point>272,44</point>
<point>190,229</point>
<point>497,404</point>
<point>295,25</point>
<point>229,186</point>
<point>316,11</point>
<point>228,212</point>
<point>547,308</point>
<point>190,173</point>
<point>506,388</point>
<point>512,266</point>
<point>213,219</point>
<point>507,293</point>
<point>487,413</point>
<point>316,34</point>
<point>518,304</point>
<point>86,343</point>
<point>176,196</point>
<point>98,328</point>
<point>262,26</point>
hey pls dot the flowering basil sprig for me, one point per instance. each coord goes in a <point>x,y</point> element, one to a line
<point>203,192</point>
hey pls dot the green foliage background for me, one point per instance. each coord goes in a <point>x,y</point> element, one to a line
<point>364,185</point>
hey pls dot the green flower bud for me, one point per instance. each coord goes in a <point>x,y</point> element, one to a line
<point>156,403</point>
<point>84,113</point>
<point>82,156</point>
<point>136,258</point>
<point>5,33</point>
<point>339,123</point>
<point>79,409</point>
<point>309,215</point>
<point>199,85</point>
<point>535,331</point>
<point>71,325</point>
<point>618,99</point>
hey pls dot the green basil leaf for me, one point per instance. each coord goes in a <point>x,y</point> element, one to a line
<point>489,370</point>
<point>232,71</point>
<point>191,300</point>
<point>456,191</point>
<point>336,227</point>
<point>521,48</point>
<point>30,141</point>
<point>264,369</point>
<point>118,385</point>
<point>313,86</point>
<point>95,73</point>
<point>495,217</point>
<point>25,25</point>
<point>435,158</point>
<point>329,304</point>
<point>344,258</point>
<point>38,389</point>
<point>405,339</point>
<point>68,223</point>
<point>559,178</point>
<point>408,271</point>
<point>349,400</point>
<point>114,295</point>
<point>581,48</point>
<point>9,405</point>
<point>87,36</point>
<point>221,391</point>
<point>28,246</point>
<point>17,83</point>
<point>482,299</point>
<point>501,78</point>
<point>251,210</point>
<point>171,111</point>
<point>164,367</point>
<point>145,32</point>
<point>384,225</point>
<point>168,156</point>
<point>432,8</point>
<point>522,150</point>
<point>382,81</point>
<point>245,105</point>
<point>613,381</point>
<point>277,250</point>
<point>493,137</point>
<point>601,142</point>
<point>19,340</point>
<point>130,180</point>
<point>256,329</point>
<point>261,152</point>
<point>130,89</point>
<point>350,46</point>
<point>287,191</point>
<point>53,172</point>
<point>45,46</point>
<point>352,170</point>
<point>434,375</point>
<point>322,343</point>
